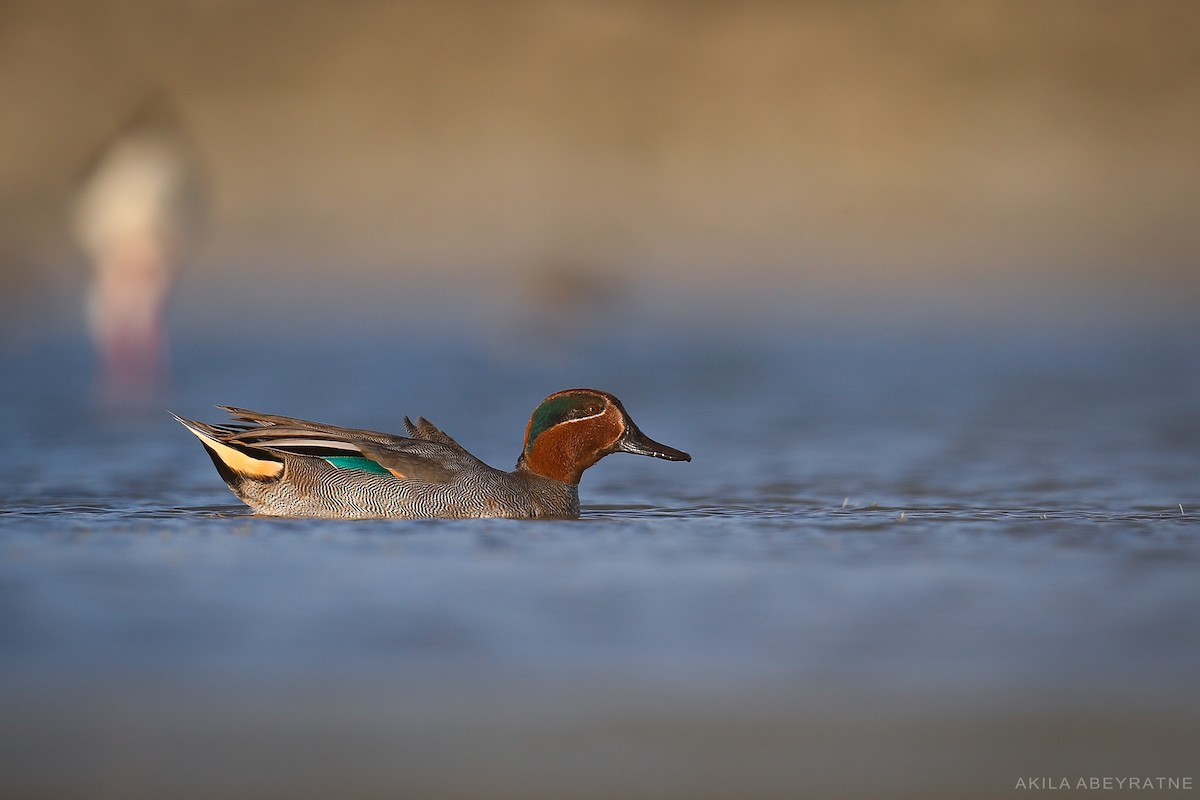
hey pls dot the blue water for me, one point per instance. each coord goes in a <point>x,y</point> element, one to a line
<point>907,560</point>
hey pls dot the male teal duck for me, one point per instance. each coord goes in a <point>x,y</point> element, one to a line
<point>282,466</point>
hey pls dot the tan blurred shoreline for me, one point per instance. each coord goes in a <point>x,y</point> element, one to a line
<point>913,145</point>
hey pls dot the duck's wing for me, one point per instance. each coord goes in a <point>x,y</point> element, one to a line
<point>436,459</point>
<point>247,420</point>
<point>425,430</point>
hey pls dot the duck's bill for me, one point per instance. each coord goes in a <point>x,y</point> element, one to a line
<point>638,443</point>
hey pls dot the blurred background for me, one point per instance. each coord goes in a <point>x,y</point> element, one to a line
<point>914,282</point>
<point>720,151</point>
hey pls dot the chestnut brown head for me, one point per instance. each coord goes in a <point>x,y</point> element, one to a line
<point>573,429</point>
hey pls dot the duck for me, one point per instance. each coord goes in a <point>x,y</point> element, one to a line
<point>289,467</point>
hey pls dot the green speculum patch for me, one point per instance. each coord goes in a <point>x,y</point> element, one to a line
<point>356,462</point>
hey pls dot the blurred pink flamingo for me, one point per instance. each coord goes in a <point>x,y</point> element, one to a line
<point>132,216</point>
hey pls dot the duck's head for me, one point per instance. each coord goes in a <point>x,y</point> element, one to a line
<point>573,429</point>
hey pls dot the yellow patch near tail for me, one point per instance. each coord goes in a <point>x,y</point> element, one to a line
<point>238,461</point>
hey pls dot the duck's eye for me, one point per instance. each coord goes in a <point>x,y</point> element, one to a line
<point>591,409</point>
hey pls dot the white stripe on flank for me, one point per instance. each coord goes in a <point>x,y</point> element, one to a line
<point>331,443</point>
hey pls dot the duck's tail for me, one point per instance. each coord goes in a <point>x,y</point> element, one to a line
<point>235,461</point>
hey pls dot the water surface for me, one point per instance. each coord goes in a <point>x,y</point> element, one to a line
<point>904,562</point>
